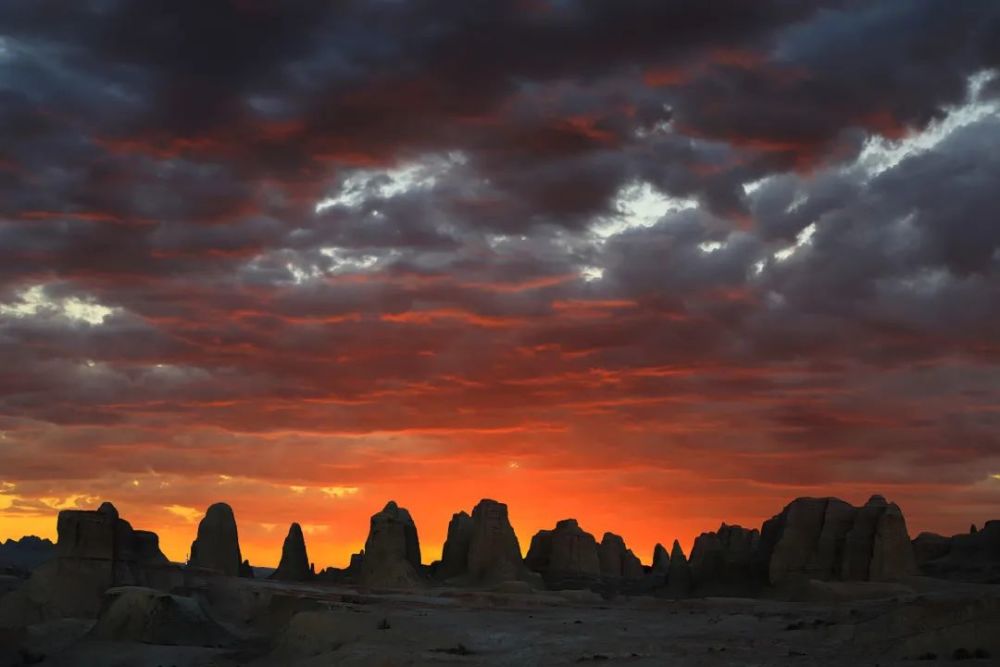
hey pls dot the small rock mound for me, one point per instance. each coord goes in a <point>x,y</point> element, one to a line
<point>294,564</point>
<point>144,615</point>
<point>217,546</point>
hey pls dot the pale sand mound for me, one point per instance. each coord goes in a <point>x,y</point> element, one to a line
<point>145,615</point>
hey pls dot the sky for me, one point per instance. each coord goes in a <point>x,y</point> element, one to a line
<point>652,264</point>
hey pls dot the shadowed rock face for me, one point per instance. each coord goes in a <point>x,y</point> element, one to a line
<point>725,557</point>
<point>294,565</point>
<point>565,556</point>
<point>826,538</point>
<point>972,556</point>
<point>617,561</point>
<point>930,546</point>
<point>147,547</point>
<point>661,559</point>
<point>494,552</point>
<point>102,536</point>
<point>392,550</point>
<point>95,550</point>
<point>26,553</point>
<point>455,554</point>
<point>679,578</point>
<point>217,546</point>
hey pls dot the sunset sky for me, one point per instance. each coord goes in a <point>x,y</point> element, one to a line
<point>652,264</point>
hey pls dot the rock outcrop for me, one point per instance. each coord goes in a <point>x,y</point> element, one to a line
<point>971,557</point>
<point>679,578</point>
<point>661,559</point>
<point>95,550</point>
<point>392,550</point>
<point>828,539</point>
<point>617,561</point>
<point>348,575</point>
<point>494,552</point>
<point>294,564</point>
<point>455,554</point>
<point>930,546</point>
<point>565,556</point>
<point>724,560</point>
<point>482,549</point>
<point>217,547</point>
<point>26,553</point>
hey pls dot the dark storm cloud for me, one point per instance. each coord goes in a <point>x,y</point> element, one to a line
<point>483,259</point>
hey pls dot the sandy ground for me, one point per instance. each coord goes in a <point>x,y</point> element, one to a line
<point>272,624</point>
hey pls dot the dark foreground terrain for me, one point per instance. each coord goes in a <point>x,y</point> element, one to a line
<point>243,622</point>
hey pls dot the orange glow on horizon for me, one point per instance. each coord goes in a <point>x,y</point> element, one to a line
<point>335,520</point>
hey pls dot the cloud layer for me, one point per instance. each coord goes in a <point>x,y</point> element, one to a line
<point>652,264</point>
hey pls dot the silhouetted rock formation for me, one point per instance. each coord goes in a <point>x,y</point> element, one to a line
<point>217,546</point>
<point>617,561</point>
<point>973,557</point>
<point>930,546</point>
<point>392,550</point>
<point>679,578</point>
<point>455,554</point>
<point>482,548</point>
<point>565,556</point>
<point>95,551</point>
<point>147,547</point>
<point>26,553</point>
<point>348,575</point>
<point>103,536</point>
<point>294,564</point>
<point>724,560</point>
<point>661,559</point>
<point>494,553</point>
<point>826,538</point>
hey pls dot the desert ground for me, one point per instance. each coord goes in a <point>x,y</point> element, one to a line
<point>260,623</point>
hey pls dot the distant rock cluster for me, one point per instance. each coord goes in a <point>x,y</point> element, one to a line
<point>25,554</point>
<point>823,539</point>
<point>972,557</point>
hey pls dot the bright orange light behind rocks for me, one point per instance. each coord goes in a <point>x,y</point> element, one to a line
<point>644,503</point>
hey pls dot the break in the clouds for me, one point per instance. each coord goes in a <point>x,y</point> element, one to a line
<point>672,261</point>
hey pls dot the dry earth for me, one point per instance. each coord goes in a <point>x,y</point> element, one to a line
<point>256,623</point>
